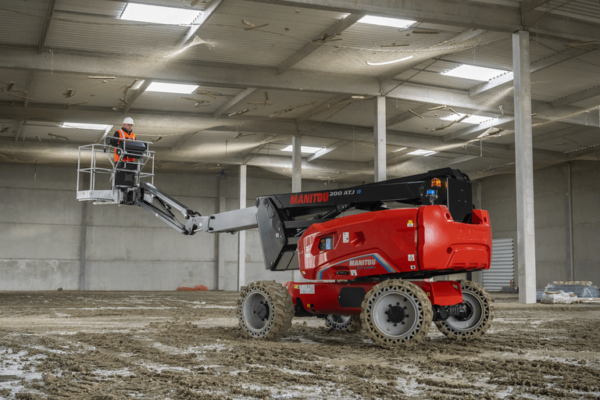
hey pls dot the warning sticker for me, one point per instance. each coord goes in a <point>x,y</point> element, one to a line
<point>411,257</point>
<point>307,289</point>
<point>413,267</point>
<point>409,223</point>
<point>353,272</point>
<point>346,237</point>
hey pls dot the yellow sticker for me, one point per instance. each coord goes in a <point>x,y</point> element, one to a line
<point>409,223</point>
<point>295,286</point>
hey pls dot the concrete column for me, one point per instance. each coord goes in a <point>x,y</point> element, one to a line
<point>242,234</point>
<point>524,168</point>
<point>84,207</point>
<point>379,137</point>
<point>296,180</point>
<point>571,264</point>
<point>296,164</point>
<point>220,273</point>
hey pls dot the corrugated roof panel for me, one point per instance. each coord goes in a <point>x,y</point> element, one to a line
<point>21,22</point>
<point>437,79</point>
<point>50,88</point>
<point>499,53</point>
<point>282,101</point>
<point>563,79</point>
<point>362,43</point>
<point>588,10</point>
<point>101,7</point>
<point>89,34</point>
<point>181,102</point>
<point>287,32</point>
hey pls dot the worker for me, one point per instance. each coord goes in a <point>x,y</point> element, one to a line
<point>126,132</point>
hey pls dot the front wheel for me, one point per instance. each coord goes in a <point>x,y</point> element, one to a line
<point>346,323</point>
<point>265,310</point>
<point>477,322</point>
<point>396,313</point>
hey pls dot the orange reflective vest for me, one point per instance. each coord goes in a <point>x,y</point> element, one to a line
<point>124,135</point>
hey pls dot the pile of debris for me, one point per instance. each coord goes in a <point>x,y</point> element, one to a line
<point>569,292</point>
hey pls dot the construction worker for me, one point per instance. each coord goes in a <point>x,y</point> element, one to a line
<point>126,132</point>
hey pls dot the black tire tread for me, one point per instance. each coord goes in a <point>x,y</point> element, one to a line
<point>282,304</point>
<point>488,302</point>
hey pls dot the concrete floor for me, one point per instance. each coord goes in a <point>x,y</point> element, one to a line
<point>186,345</point>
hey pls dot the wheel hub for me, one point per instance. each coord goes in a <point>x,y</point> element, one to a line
<point>396,314</point>
<point>262,310</point>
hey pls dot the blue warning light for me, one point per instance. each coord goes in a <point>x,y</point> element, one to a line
<point>430,192</point>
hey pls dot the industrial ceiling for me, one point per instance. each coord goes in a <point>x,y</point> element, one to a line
<point>269,70</point>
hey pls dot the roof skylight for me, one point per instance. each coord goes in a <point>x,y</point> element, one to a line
<point>423,153</point>
<point>304,149</point>
<point>164,87</point>
<point>473,72</point>
<point>473,119</point>
<point>159,15</point>
<point>93,127</point>
<point>393,22</point>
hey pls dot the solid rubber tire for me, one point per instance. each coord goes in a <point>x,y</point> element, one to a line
<point>397,285</point>
<point>488,315</point>
<point>280,305</point>
<point>352,325</point>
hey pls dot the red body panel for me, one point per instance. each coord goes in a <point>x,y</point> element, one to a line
<point>377,243</point>
<point>323,297</point>
<point>448,245</point>
<point>388,242</point>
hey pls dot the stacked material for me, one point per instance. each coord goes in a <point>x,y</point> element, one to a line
<point>580,288</point>
<point>559,297</point>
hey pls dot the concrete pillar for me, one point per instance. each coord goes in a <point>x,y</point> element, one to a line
<point>296,180</point>
<point>524,168</point>
<point>296,164</point>
<point>84,207</point>
<point>242,234</point>
<point>220,274</point>
<point>570,260</point>
<point>379,137</point>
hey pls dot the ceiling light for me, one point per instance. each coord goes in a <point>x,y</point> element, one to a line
<point>305,149</point>
<point>423,153</point>
<point>159,15</point>
<point>393,22</point>
<point>475,73</point>
<point>171,88</point>
<point>94,127</point>
<point>473,119</point>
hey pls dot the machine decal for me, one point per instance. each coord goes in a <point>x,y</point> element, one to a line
<point>410,224</point>
<point>353,272</point>
<point>435,182</point>
<point>309,198</point>
<point>307,289</point>
<point>411,257</point>
<point>346,236</point>
<point>368,261</point>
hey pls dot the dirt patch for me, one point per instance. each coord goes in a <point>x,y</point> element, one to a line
<point>186,345</point>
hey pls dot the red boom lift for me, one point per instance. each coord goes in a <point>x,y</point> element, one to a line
<point>357,267</point>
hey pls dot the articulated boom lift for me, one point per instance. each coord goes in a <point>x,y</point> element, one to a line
<point>354,265</point>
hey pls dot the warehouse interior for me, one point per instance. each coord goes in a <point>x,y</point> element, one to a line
<point>246,98</point>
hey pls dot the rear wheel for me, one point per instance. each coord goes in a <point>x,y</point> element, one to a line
<point>396,313</point>
<point>477,322</point>
<point>265,310</point>
<point>347,323</point>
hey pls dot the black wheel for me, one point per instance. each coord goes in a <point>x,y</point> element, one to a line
<point>347,323</point>
<point>265,310</point>
<point>481,313</point>
<point>396,313</point>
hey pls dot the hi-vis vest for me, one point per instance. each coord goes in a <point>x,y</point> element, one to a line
<point>124,135</point>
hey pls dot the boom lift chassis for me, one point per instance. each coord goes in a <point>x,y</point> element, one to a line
<point>354,265</point>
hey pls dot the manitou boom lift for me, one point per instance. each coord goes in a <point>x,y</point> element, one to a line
<point>355,265</point>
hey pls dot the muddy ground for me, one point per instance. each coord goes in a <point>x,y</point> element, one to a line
<point>186,345</point>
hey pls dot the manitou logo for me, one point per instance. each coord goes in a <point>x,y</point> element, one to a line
<point>360,263</point>
<point>309,198</point>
